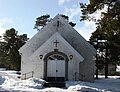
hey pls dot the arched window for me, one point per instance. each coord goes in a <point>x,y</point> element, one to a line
<point>56,57</point>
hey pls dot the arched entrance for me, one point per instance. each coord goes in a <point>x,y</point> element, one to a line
<point>56,66</point>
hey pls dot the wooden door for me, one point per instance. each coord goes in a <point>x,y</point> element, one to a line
<point>56,68</point>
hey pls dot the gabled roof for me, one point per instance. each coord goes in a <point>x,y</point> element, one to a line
<point>60,25</point>
<point>48,45</point>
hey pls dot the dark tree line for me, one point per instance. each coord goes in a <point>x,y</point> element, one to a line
<point>9,46</point>
<point>106,37</point>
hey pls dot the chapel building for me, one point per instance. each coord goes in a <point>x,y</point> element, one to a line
<point>58,53</point>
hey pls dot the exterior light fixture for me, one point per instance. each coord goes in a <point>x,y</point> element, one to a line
<point>71,57</point>
<point>41,56</point>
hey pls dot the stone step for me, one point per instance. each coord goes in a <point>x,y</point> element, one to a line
<point>55,84</point>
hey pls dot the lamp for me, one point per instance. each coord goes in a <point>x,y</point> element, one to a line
<point>71,57</point>
<point>41,56</point>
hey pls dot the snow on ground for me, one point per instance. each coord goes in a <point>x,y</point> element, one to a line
<point>9,82</point>
<point>112,84</point>
<point>118,69</point>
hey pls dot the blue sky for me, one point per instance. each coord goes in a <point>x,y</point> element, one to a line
<point>21,14</point>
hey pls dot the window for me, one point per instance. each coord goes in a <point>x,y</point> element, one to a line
<point>56,57</point>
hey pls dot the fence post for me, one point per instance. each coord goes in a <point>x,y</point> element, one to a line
<point>75,75</point>
<point>25,76</point>
<point>32,73</point>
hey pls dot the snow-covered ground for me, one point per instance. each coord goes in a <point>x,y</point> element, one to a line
<point>112,84</point>
<point>9,82</point>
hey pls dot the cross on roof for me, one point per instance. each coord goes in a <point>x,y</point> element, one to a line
<point>56,43</point>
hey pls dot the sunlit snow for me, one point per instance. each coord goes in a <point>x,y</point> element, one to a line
<point>9,82</point>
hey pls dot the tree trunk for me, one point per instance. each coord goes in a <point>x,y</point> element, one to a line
<point>106,69</point>
<point>96,67</point>
<point>96,74</point>
<point>106,64</point>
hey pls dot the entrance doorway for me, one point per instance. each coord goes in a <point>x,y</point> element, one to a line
<point>56,68</point>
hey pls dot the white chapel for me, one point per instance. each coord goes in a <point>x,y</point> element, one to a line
<point>58,53</point>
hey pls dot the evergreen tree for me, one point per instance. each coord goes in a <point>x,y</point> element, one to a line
<point>108,27</point>
<point>9,47</point>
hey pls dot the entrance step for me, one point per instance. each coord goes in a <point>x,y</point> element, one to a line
<point>55,84</point>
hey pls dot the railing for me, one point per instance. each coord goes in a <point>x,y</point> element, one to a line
<point>28,75</point>
<point>80,75</point>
